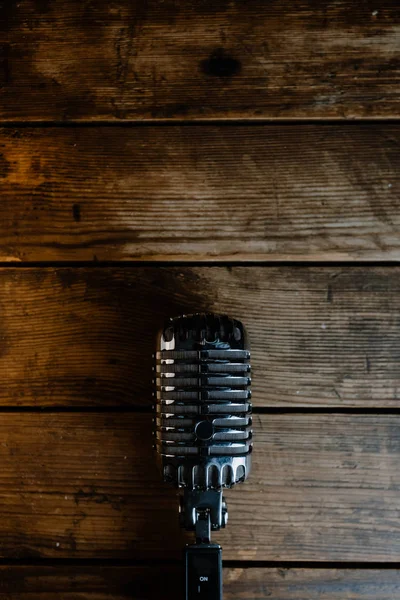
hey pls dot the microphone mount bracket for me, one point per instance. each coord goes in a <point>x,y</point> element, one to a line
<point>203,511</point>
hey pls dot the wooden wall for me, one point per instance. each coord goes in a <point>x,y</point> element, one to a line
<point>159,157</point>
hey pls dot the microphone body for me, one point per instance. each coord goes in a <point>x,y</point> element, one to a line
<point>203,430</point>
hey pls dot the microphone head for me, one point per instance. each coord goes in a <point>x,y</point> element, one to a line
<point>203,425</point>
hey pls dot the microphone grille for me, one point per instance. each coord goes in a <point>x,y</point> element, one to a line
<point>203,423</point>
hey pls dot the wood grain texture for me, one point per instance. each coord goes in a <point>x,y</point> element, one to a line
<point>148,583</point>
<point>323,487</point>
<point>325,336</point>
<point>306,193</point>
<point>72,60</point>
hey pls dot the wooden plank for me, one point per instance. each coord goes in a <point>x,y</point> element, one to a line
<point>323,488</point>
<point>149,582</point>
<point>66,60</point>
<point>325,336</point>
<point>306,193</point>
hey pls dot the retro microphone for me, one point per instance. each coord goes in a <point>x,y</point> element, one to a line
<point>203,431</point>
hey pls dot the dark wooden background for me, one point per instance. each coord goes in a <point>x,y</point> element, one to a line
<point>159,157</point>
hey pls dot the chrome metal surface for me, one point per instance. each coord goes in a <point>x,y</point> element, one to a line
<point>203,423</point>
